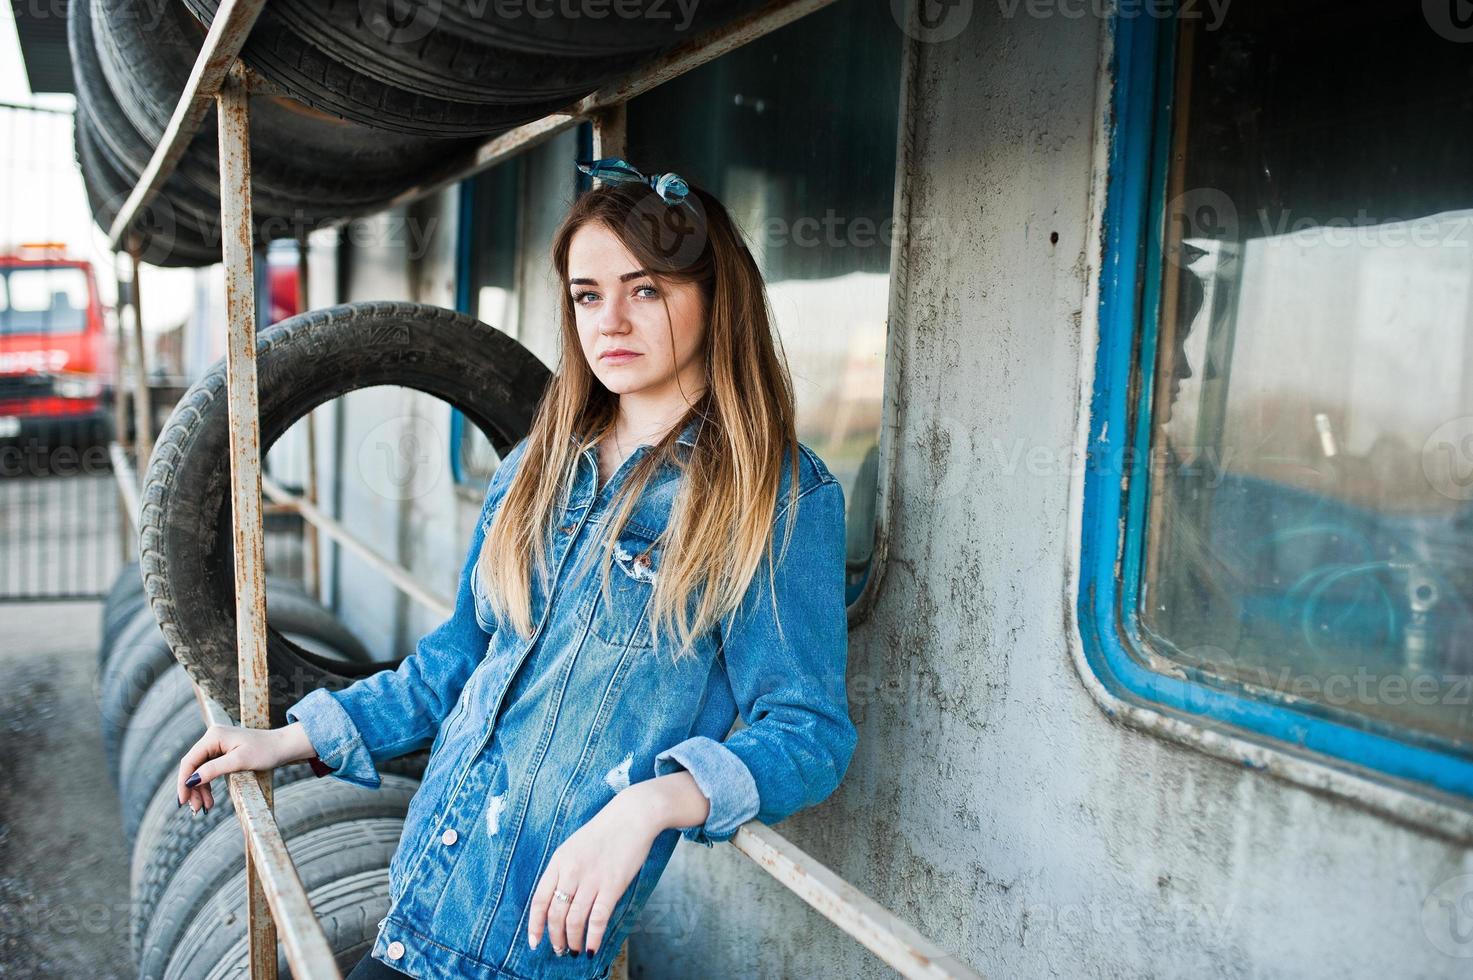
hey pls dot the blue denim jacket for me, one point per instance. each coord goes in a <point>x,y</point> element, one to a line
<point>530,738</point>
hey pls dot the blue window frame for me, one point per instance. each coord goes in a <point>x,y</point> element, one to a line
<point>1118,646</point>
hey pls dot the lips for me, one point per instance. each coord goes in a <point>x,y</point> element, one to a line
<point>617,355</point>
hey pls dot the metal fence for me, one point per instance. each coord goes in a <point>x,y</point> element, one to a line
<point>59,522</point>
<point>58,518</point>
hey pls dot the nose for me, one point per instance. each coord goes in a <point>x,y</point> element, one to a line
<point>613,316</point>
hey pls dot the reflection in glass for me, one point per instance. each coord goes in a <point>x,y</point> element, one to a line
<point>1310,520</point>
<point>495,226</point>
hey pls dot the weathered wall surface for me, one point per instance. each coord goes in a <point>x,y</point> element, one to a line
<point>991,802</point>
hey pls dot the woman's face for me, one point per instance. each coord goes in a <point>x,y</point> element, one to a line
<point>620,307</point>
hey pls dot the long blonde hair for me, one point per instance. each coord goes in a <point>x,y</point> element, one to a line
<point>721,519</point>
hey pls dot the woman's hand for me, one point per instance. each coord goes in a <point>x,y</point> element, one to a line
<point>225,749</point>
<point>595,865</point>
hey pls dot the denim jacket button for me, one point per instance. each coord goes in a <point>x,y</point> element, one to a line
<point>449,837</point>
<point>567,528</point>
<point>396,950</point>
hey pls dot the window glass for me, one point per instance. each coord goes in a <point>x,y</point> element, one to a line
<point>796,133</point>
<point>494,228</point>
<point>43,299</point>
<point>1309,529</point>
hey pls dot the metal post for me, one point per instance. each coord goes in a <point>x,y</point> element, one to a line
<point>237,239</point>
<point>142,398</point>
<point>311,555</point>
<point>122,402</point>
<point>609,131</point>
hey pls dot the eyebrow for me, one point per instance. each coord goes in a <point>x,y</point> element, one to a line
<point>624,278</point>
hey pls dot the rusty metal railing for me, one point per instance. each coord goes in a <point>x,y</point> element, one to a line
<point>275,892</point>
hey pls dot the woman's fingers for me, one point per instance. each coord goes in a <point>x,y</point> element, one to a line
<point>577,915</point>
<point>206,747</point>
<point>598,920</point>
<point>541,897</point>
<point>557,914</point>
<point>577,924</point>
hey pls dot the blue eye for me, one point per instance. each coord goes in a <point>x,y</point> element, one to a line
<point>578,297</point>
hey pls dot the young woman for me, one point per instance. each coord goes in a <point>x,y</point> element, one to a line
<point>657,557</point>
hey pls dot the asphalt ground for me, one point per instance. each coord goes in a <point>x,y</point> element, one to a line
<point>63,859</point>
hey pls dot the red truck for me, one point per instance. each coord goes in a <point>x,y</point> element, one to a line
<point>56,362</point>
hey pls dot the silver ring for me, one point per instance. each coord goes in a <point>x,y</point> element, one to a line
<point>559,895</point>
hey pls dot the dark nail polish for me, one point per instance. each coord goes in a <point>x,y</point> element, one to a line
<point>193,780</point>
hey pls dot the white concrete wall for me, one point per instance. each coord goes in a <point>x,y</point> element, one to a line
<point>400,494</point>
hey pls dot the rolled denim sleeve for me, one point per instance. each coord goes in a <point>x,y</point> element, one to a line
<point>786,653</point>
<point>397,711</point>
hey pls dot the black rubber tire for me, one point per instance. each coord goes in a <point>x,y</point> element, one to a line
<point>181,227</point>
<point>117,620</point>
<point>214,944</point>
<point>354,88</point>
<point>168,832</point>
<point>142,655</point>
<point>301,161</point>
<point>117,139</point>
<point>166,724</point>
<point>448,53</point>
<point>300,808</point>
<point>127,588</point>
<point>169,237</point>
<point>302,362</point>
<point>349,910</point>
<point>455,69</point>
<point>127,634</point>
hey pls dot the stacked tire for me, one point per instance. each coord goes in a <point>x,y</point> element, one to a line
<point>366,104</point>
<point>131,59</point>
<point>446,68</point>
<point>188,870</point>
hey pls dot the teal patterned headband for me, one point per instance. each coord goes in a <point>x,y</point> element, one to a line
<point>672,188</point>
